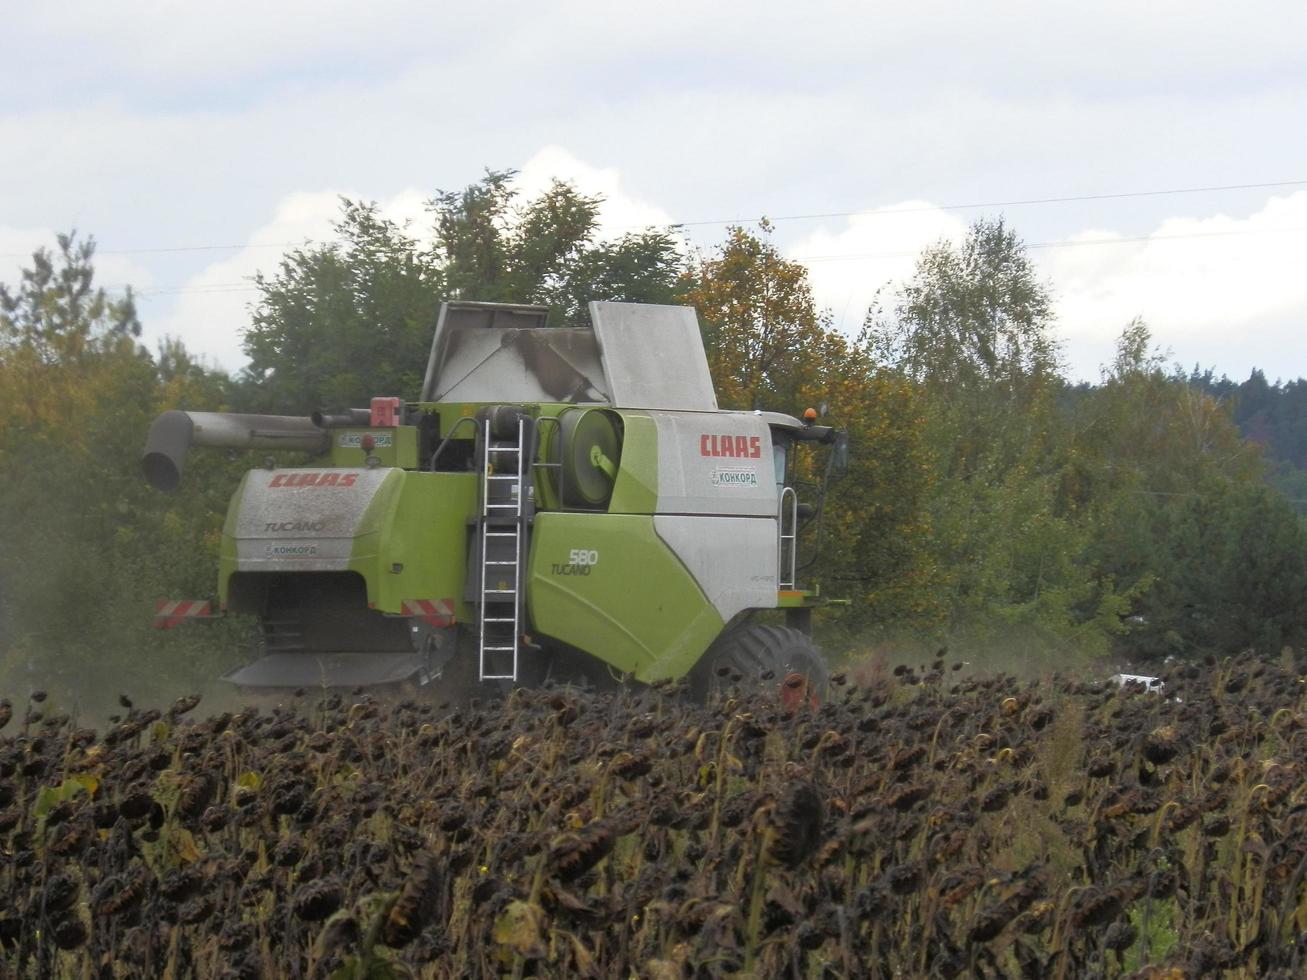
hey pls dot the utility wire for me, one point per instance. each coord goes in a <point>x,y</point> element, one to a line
<point>1070,244</point>
<point>1003,204</point>
<point>242,287</point>
<point>872,212</point>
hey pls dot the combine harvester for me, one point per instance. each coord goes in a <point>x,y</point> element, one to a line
<point>557,503</point>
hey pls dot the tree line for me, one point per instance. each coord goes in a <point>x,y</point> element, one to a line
<point>990,502</point>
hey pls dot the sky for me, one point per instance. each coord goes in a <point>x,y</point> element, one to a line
<point>1153,157</point>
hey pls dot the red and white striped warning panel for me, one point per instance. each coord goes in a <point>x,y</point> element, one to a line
<point>169,613</point>
<point>435,612</point>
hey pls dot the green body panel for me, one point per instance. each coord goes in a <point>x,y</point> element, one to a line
<point>636,489</point>
<point>413,540</point>
<point>606,584</point>
<point>366,556</point>
<point>394,447</point>
<point>451,419</point>
<point>227,546</point>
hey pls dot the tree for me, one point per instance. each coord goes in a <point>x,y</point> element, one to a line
<point>972,331</point>
<point>973,328</point>
<point>770,348</point>
<point>1214,560</point>
<point>88,547</point>
<point>973,318</point>
<point>343,321</point>
<point>56,312</point>
<point>761,325</point>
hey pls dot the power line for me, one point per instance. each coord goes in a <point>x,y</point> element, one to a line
<point>871,212</point>
<point>1078,243</point>
<point>242,287</point>
<point>1004,204</point>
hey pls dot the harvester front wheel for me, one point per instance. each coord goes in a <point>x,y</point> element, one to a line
<point>766,658</point>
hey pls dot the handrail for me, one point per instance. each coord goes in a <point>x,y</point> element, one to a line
<point>787,581</point>
<point>445,442</point>
<point>546,464</point>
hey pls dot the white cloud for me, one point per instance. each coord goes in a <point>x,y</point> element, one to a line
<point>1217,290</point>
<point>1053,43</point>
<point>620,213</point>
<point>848,265</point>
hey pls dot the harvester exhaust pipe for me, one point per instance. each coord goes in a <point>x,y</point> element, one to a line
<point>172,435</point>
<point>355,416</point>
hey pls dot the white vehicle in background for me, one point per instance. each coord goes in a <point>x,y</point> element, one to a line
<point>1151,684</point>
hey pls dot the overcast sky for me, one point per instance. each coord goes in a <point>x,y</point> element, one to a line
<point>195,141</point>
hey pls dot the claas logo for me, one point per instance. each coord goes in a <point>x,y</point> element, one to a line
<point>313,480</point>
<point>736,447</point>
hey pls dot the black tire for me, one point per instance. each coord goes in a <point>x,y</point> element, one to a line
<point>762,658</point>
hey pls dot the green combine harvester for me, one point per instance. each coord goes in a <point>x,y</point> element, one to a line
<point>558,503</point>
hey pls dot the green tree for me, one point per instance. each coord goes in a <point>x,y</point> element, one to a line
<point>974,320</point>
<point>769,347</point>
<point>972,330</point>
<point>88,547</point>
<point>1183,521</point>
<point>342,322</point>
<point>56,311</point>
<point>353,318</point>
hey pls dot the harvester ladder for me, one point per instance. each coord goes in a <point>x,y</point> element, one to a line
<point>504,512</point>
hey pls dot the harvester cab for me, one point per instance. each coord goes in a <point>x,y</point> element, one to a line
<point>558,502</point>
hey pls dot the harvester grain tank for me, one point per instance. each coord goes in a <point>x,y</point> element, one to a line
<point>557,501</point>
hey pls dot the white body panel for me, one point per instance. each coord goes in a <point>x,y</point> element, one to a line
<point>715,463</point>
<point>302,520</point>
<point>732,558</point>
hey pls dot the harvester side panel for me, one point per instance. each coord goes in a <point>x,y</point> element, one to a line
<point>636,489</point>
<point>608,585</point>
<point>397,447</point>
<point>425,541</point>
<point>733,559</point>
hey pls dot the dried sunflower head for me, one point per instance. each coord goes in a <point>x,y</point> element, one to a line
<point>572,855</point>
<point>69,933</point>
<point>415,907</point>
<point>314,901</point>
<point>796,824</point>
